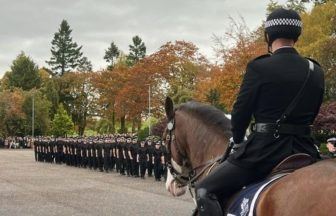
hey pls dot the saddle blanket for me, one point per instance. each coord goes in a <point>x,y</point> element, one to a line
<point>245,202</point>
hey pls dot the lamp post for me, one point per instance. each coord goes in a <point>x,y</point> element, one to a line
<point>149,109</point>
<point>33,114</point>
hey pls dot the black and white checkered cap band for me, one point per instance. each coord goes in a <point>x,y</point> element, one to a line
<point>283,22</point>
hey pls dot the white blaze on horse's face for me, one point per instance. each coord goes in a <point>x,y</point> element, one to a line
<point>169,180</point>
<point>177,167</point>
<point>172,186</point>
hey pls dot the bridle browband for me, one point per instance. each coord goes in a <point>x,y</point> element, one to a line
<point>192,176</point>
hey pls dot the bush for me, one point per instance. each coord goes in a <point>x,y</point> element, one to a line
<point>143,133</point>
<point>159,127</point>
<point>62,124</point>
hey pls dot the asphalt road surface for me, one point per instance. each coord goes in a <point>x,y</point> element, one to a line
<point>34,188</point>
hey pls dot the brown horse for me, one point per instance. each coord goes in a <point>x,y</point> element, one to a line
<point>199,134</point>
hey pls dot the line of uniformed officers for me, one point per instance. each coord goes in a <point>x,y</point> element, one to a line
<point>123,154</point>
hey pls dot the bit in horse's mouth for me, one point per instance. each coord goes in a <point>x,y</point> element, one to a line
<point>176,189</point>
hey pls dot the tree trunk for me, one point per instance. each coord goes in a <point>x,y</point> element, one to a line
<point>122,124</point>
<point>139,123</point>
<point>133,124</point>
<point>113,122</point>
<point>82,125</point>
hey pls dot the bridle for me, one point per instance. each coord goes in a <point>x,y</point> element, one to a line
<point>190,175</point>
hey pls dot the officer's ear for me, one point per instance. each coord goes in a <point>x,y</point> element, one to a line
<point>266,38</point>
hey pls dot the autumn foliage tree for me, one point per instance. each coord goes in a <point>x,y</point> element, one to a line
<point>79,97</point>
<point>120,94</point>
<point>12,116</point>
<point>225,78</point>
<point>325,122</point>
<point>319,42</point>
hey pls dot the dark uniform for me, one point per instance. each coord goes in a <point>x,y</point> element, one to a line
<point>127,160</point>
<point>134,163</point>
<point>120,155</point>
<point>100,155</point>
<point>165,159</point>
<point>142,158</point>
<point>113,154</point>
<point>35,150</point>
<point>78,153</point>
<point>107,156</point>
<point>59,152</point>
<point>157,161</point>
<point>73,153</point>
<point>84,154</point>
<point>94,155</point>
<point>150,150</point>
<point>270,84</point>
<point>89,152</point>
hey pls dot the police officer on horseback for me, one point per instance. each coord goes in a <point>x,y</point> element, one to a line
<point>283,92</point>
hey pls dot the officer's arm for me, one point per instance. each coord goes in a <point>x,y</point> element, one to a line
<point>244,105</point>
<point>124,153</point>
<point>130,155</point>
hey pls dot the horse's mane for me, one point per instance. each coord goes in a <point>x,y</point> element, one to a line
<point>209,115</point>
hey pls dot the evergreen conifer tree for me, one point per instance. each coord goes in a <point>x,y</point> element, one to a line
<point>137,51</point>
<point>85,65</point>
<point>111,54</point>
<point>24,73</point>
<point>66,54</point>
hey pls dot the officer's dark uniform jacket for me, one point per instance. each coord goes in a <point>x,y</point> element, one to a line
<point>270,84</point>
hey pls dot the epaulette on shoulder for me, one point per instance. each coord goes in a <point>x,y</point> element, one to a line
<point>313,60</point>
<point>262,56</point>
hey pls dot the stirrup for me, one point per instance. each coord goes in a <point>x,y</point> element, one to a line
<point>207,203</point>
<point>194,212</point>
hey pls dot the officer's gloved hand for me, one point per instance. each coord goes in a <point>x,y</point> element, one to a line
<point>234,145</point>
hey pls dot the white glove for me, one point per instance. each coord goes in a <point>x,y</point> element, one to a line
<point>234,145</point>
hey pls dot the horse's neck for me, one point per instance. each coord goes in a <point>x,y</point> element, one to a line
<point>205,143</point>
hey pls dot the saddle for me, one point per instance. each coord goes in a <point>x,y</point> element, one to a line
<point>245,201</point>
<point>292,163</point>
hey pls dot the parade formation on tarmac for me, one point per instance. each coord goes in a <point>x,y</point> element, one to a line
<point>120,153</point>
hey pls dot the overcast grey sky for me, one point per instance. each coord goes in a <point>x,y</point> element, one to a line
<point>29,25</point>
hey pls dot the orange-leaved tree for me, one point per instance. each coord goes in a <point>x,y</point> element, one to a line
<point>221,83</point>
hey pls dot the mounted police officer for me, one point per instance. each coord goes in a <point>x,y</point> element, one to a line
<point>270,84</point>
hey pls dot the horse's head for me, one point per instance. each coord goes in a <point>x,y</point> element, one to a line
<point>195,136</point>
<point>172,184</point>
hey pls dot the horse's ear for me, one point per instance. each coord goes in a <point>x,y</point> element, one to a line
<point>169,107</point>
